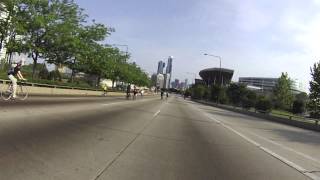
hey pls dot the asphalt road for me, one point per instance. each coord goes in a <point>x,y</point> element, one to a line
<point>113,138</point>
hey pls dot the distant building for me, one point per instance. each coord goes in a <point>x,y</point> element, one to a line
<point>160,81</point>
<point>216,76</point>
<point>169,71</point>
<point>266,85</point>
<point>154,79</point>
<point>167,81</point>
<point>169,65</point>
<point>176,83</point>
<point>161,66</point>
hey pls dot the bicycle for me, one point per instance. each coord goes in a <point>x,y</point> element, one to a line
<point>21,93</point>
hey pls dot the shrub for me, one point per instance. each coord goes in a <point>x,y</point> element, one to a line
<point>249,100</point>
<point>44,73</point>
<point>263,105</point>
<point>298,107</point>
<point>55,75</point>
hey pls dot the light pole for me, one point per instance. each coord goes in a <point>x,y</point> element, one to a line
<point>220,64</point>
<point>220,73</point>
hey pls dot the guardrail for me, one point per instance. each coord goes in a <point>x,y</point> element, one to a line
<point>52,86</point>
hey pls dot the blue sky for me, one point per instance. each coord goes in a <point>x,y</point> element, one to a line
<point>255,38</point>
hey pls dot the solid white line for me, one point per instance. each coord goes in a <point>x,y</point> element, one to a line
<point>156,114</point>
<point>284,160</point>
<point>108,104</point>
<point>288,148</point>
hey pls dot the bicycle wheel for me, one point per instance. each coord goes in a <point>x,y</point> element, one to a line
<point>6,91</point>
<point>22,92</point>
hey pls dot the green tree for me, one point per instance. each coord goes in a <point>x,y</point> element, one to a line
<point>236,93</point>
<point>298,107</point>
<point>314,96</point>
<point>249,100</point>
<point>263,105</point>
<point>282,92</point>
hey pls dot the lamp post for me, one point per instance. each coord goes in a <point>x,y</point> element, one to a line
<point>221,79</point>
<point>220,64</point>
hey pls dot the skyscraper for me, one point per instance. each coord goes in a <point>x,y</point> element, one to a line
<point>169,65</point>
<point>168,72</point>
<point>161,66</point>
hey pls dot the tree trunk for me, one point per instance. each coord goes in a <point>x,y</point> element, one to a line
<point>35,61</point>
<point>73,71</point>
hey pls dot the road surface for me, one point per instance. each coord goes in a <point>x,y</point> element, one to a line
<point>92,138</point>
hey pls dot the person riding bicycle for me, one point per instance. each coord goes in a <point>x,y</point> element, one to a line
<point>105,89</point>
<point>128,91</point>
<point>15,71</point>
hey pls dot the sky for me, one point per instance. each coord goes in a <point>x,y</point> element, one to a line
<point>259,38</point>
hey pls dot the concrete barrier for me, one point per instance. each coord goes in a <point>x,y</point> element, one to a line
<point>301,124</point>
<point>69,92</point>
<point>53,90</point>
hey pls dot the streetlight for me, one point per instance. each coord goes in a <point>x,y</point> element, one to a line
<point>220,64</point>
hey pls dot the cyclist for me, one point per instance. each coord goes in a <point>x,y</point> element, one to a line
<point>128,91</point>
<point>105,89</point>
<point>15,71</point>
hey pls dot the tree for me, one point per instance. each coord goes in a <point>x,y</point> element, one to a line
<point>298,107</point>
<point>236,93</point>
<point>263,105</point>
<point>302,97</point>
<point>7,27</point>
<point>31,23</point>
<point>198,91</point>
<point>314,96</point>
<point>282,92</point>
<point>249,100</point>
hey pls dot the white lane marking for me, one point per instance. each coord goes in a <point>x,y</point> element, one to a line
<point>268,151</point>
<point>126,102</point>
<point>288,148</point>
<point>108,104</point>
<point>156,114</point>
<point>69,98</point>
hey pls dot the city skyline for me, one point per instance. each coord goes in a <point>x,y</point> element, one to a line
<point>246,34</point>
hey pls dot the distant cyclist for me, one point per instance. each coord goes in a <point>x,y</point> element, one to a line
<point>128,91</point>
<point>161,93</point>
<point>15,71</point>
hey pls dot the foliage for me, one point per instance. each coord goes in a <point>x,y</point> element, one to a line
<point>282,93</point>
<point>236,93</point>
<point>298,107</point>
<point>198,91</point>
<point>263,105</point>
<point>314,103</point>
<point>249,100</point>
<point>302,97</point>
<point>58,32</point>
<point>44,73</point>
